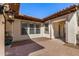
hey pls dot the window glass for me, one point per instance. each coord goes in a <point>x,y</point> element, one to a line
<point>32,29</point>
<point>24,28</point>
<point>37,28</point>
<point>31,25</point>
<point>46,28</point>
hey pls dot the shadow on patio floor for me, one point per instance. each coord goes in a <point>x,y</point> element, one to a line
<point>23,48</point>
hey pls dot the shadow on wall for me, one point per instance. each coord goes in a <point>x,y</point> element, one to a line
<point>69,17</point>
<point>23,48</point>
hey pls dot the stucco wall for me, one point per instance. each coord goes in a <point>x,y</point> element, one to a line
<point>71,28</point>
<point>17,31</point>
<point>47,35</point>
<point>57,30</point>
<point>2,36</point>
<point>8,27</point>
<point>55,26</point>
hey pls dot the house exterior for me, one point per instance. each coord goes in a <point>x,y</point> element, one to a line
<point>63,24</point>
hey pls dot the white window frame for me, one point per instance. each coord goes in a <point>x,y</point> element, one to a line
<point>46,32</point>
<point>38,28</point>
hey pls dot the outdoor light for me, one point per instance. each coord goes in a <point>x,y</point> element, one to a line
<point>10,16</point>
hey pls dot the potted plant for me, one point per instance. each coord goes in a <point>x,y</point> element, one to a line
<point>8,39</point>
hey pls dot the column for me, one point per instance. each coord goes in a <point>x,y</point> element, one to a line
<point>51,30</point>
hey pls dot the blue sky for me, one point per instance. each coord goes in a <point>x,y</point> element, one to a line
<point>41,10</point>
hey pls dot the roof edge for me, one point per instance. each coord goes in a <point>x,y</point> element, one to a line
<point>62,12</point>
<point>25,17</point>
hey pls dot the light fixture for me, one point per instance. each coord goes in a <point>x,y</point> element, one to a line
<point>10,16</point>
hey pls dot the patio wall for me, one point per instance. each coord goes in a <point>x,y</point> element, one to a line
<point>17,31</point>
<point>54,26</point>
<point>47,35</point>
<point>71,28</point>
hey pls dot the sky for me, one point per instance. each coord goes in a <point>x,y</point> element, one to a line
<point>41,10</point>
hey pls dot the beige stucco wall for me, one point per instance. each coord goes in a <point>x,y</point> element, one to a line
<point>55,29</point>
<point>47,35</point>
<point>17,31</point>
<point>2,36</point>
<point>8,27</point>
<point>71,28</point>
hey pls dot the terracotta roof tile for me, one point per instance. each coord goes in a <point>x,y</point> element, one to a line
<point>62,12</point>
<point>24,17</point>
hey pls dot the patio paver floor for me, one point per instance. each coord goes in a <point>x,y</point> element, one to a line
<point>44,47</point>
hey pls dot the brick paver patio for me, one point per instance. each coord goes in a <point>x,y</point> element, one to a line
<point>43,47</point>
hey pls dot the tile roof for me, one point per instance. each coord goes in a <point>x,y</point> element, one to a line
<point>62,12</point>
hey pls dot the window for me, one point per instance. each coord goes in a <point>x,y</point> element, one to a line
<point>46,28</point>
<point>33,28</point>
<point>32,31</point>
<point>37,28</point>
<point>24,28</point>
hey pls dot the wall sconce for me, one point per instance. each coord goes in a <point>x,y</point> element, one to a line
<point>10,16</point>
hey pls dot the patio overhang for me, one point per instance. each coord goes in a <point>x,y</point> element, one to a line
<point>24,17</point>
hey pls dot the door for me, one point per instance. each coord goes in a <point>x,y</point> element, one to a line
<point>61,30</point>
